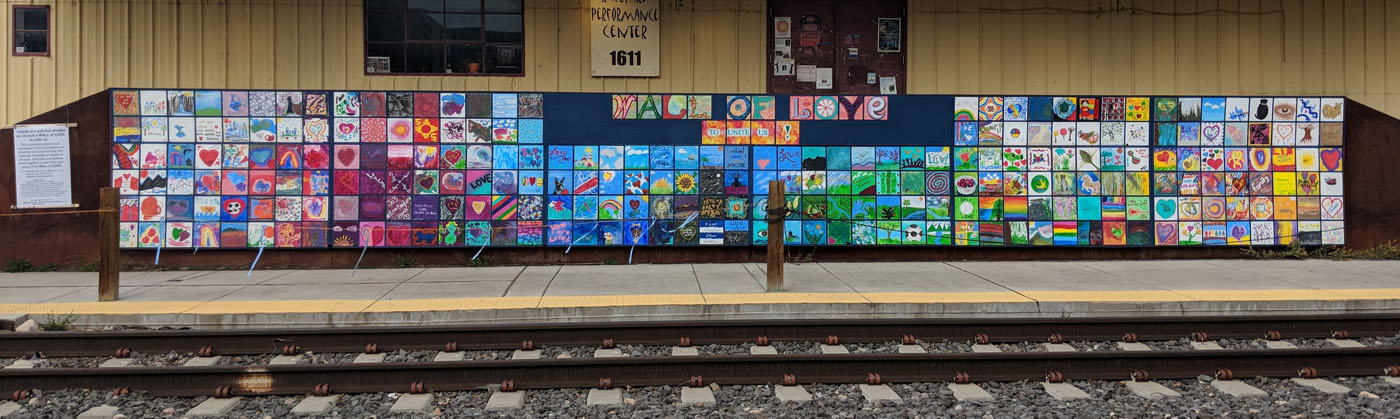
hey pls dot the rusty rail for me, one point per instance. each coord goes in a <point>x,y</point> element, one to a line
<point>725,370</point>
<point>500,337</point>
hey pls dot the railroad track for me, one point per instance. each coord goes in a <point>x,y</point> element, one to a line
<point>1348,359</point>
<point>506,337</point>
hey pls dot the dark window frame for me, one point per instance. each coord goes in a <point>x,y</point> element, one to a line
<point>15,30</point>
<point>407,42</point>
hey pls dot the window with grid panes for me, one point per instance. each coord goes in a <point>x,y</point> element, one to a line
<point>31,30</point>
<point>459,37</point>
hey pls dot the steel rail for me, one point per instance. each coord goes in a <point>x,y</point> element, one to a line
<point>511,336</point>
<point>725,370</point>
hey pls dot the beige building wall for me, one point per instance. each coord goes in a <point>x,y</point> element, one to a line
<point>1290,47</point>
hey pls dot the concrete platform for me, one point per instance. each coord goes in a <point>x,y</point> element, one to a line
<point>580,293</point>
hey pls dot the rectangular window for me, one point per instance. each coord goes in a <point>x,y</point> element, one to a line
<point>31,30</point>
<point>459,37</point>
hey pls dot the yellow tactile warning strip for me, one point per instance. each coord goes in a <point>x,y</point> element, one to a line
<point>565,302</point>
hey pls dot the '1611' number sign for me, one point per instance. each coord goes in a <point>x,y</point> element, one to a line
<point>625,37</point>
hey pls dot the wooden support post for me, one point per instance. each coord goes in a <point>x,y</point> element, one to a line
<point>777,207</point>
<point>109,255</point>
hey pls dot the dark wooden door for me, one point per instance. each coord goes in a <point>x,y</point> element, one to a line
<point>847,41</point>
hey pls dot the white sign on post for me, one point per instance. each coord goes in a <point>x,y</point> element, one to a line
<point>626,37</point>
<point>43,169</point>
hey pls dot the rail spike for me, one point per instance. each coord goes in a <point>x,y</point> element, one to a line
<point>608,343</point>
<point>1199,337</point>
<point>372,348</point>
<point>1307,372</point>
<point>1392,370</point>
<point>761,341</point>
<point>872,378</point>
<point>1054,377</point>
<point>321,390</point>
<point>833,340</point>
<point>20,395</point>
<point>223,392</point>
<point>789,379</point>
<point>908,340</point>
<point>605,383</point>
<point>696,381</point>
<point>123,353</point>
<point>508,386</point>
<point>685,342</point>
<point>206,351</point>
<point>1273,335</point>
<point>982,339</point>
<point>450,347</point>
<point>1340,334</point>
<point>1056,338</point>
<point>121,391</point>
<point>527,345</point>
<point>416,387</point>
<point>289,350</point>
<point>962,378</point>
<point>1130,337</point>
<point>1224,374</point>
<point>1139,375</point>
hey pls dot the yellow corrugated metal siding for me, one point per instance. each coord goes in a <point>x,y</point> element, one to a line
<point>709,46</point>
<point>1303,47</point>
<point>1289,47</point>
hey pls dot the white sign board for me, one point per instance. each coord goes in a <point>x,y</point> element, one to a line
<point>626,37</point>
<point>43,170</point>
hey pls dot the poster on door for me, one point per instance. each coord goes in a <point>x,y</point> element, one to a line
<point>626,37</point>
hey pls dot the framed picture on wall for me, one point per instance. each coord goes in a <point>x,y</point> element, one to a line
<point>889,30</point>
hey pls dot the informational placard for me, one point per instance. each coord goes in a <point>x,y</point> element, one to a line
<point>806,73</point>
<point>626,37</point>
<point>824,78</point>
<point>43,173</point>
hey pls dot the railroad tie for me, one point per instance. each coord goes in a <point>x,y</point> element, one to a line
<point>99,412</point>
<point>605,394</point>
<point>214,407</point>
<point>7,408</point>
<point>315,405</point>
<point>790,392</point>
<point>1055,386</point>
<point>1140,385</point>
<point>450,356</point>
<point>525,354</point>
<point>1345,343</point>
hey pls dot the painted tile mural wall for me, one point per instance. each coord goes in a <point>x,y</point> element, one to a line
<point>239,169</point>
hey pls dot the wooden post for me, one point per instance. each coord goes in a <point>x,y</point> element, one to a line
<point>777,203</point>
<point>109,255</point>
